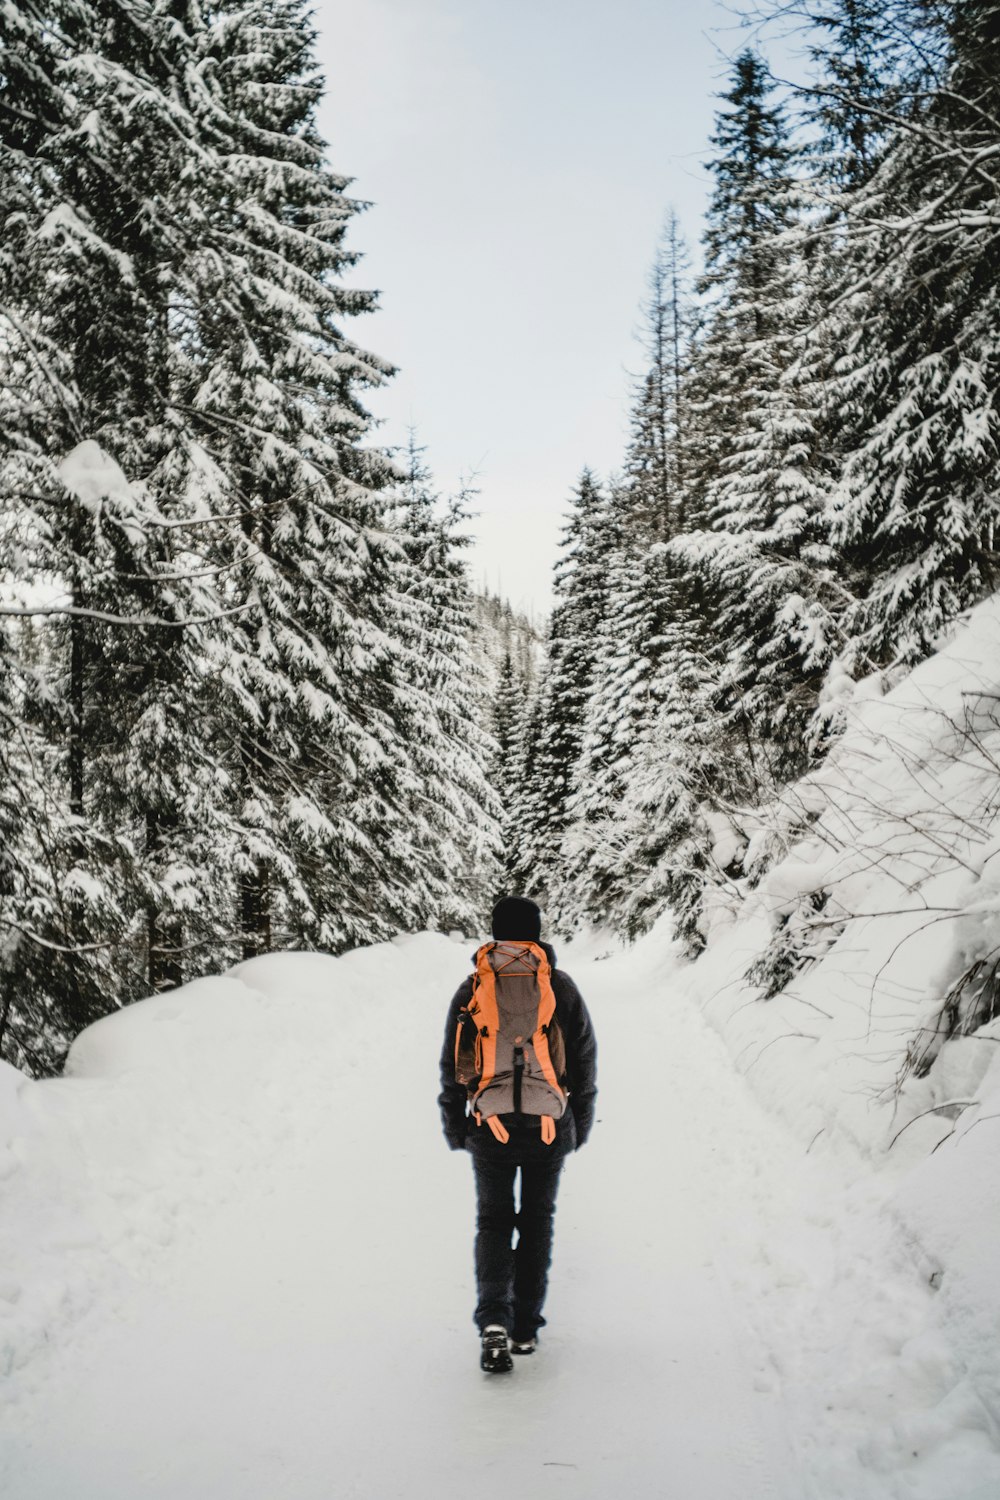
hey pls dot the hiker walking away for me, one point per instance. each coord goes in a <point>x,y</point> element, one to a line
<point>518,1084</point>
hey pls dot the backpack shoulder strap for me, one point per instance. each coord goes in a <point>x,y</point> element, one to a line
<point>546,1015</point>
<point>483,1010</point>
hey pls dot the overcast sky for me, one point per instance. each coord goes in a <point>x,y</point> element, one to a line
<point>519,156</point>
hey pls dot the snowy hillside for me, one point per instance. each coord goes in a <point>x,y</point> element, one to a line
<point>883,1044</point>
<point>880,906</point>
<point>234,1225</point>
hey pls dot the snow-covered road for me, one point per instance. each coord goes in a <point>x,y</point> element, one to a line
<point>288,1306</point>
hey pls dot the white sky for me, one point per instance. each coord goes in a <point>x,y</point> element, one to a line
<point>519,156</point>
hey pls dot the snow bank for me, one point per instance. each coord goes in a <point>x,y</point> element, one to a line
<point>105,1169</point>
<point>882,892</point>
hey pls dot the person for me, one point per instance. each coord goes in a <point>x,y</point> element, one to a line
<point>511,1282</point>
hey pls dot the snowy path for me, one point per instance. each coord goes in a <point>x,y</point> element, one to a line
<point>303,1327</point>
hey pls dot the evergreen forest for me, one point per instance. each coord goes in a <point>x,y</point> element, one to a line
<point>808,499</point>
<point>249,699</point>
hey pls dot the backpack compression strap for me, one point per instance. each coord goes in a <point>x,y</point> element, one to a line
<point>496,1125</point>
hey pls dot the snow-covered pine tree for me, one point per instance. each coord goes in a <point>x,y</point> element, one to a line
<point>670,741</point>
<point>783,587</point>
<point>646,589</point>
<point>670,816</point>
<point>508,706</point>
<point>505,709</point>
<point>581,588</point>
<point>102,147</point>
<point>916,506</point>
<point>446,823</point>
<point>654,461</point>
<point>151,769</point>
<point>620,714</point>
<point>218,695</point>
<point>580,584</point>
<point>33,1026</point>
<point>507,650</point>
<point>307,700</point>
<point>526,854</point>
<point>858,52</point>
<point>755,434</point>
<point>747,212</point>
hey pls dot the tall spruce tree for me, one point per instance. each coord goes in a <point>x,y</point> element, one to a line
<point>858,53</point>
<point>646,588</point>
<point>733,357</point>
<point>446,824</point>
<point>787,584</point>
<point>620,713</point>
<point>672,712</point>
<point>655,456</point>
<point>216,717</point>
<point>508,706</point>
<point>307,706</point>
<point>103,148</point>
<point>915,509</point>
<point>527,845</point>
<point>581,585</point>
<point>755,429</point>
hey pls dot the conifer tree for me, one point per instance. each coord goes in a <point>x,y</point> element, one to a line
<point>581,584</point>
<point>645,589</point>
<point>915,508</point>
<point>581,598</point>
<point>221,714</point>
<point>619,716</point>
<point>680,775</point>
<point>669,725</point>
<point>513,710</point>
<point>307,704</point>
<point>857,51</point>
<point>102,144</point>
<point>508,706</point>
<point>784,585</point>
<point>733,359</point>
<point>763,553</point>
<point>525,832</point>
<point>446,824</point>
<point>655,474</point>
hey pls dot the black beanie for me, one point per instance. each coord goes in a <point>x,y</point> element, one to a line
<point>517,919</point>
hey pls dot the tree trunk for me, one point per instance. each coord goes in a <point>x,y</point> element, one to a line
<point>255,912</point>
<point>164,932</point>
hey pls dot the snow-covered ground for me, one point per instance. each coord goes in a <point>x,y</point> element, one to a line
<point>880,1054</point>
<point>237,1263</point>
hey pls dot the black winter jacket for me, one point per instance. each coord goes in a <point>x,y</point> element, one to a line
<point>573,1128</point>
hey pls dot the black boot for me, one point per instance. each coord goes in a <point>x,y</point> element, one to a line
<point>495,1357</point>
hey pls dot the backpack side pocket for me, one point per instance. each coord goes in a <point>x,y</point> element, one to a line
<point>557,1051</point>
<point>466,1037</point>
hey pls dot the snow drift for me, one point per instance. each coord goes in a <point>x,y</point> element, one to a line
<point>882,895</point>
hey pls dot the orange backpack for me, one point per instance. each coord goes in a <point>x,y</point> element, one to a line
<point>509,1049</point>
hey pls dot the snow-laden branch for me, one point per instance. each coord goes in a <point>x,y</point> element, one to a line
<point>36,937</point>
<point>139,621</point>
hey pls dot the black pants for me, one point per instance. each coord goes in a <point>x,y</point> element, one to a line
<point>511,1281</point>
